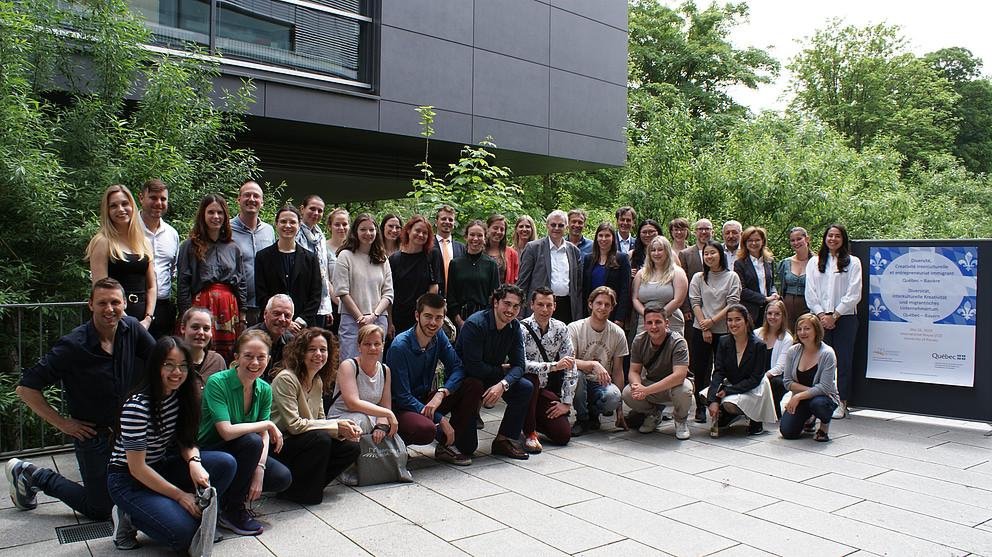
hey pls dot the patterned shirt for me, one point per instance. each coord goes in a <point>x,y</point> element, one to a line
<point>557,344</point>
<point>139,431</point>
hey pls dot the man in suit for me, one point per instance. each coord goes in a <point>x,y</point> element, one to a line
<point>557,264</point>
<point>731,240</point>
<point>691,260</point>
<point>447,246</point>
<point>626,236</point>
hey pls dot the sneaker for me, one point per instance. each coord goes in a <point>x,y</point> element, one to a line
<point>22,492</point>
<point>451,455</point>
<point>755,427</point>
<point>651,422</point>
<point>532,444</point>
<point>241,521</point>
<point>682,430</point>
<point>840,412</point>
<point>125,534</point>
<point>580,427</point>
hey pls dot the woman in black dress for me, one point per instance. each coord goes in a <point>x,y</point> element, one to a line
<point>416,271</point>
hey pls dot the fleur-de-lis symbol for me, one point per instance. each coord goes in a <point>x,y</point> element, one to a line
<point>969,262</point>
<point>878,262</point>
<point>967,311</point>
<point>876,308</point>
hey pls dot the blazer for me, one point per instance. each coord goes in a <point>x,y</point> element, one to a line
<point>535,271</point>
<point>457,250</point>
<point>734,378</point>
<point>691,263</point>
<point>304,281</point>
<point>751,297</point>
<point>618,279</point>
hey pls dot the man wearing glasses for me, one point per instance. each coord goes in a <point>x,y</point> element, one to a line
<point>556,264</point>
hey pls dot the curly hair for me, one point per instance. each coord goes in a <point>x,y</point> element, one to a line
<point>295,353</point>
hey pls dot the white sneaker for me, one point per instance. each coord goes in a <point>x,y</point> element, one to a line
<point>651,422</point>
<point>125,534</point>
<point>840,412</point>
<point>682,430</point>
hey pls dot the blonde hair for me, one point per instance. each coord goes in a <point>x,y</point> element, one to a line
<point>651,272</point>
<point>783,327</point>
<point>742,251</point>
<point>118,245</point>
<point>519,243</point>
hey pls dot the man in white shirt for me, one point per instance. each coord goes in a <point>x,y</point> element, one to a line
<point>625,229</point>
<point>731,240</point>
<point>447,246</point>
<point>600,346</point>
<point>251,235</point>
<point>554,263</point>
<point>154,199</point>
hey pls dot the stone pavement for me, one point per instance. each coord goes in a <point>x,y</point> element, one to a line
<point>887,484</point>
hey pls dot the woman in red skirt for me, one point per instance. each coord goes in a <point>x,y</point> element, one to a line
<point>211,275</point>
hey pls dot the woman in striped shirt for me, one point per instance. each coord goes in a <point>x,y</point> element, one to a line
<point>155,464</point>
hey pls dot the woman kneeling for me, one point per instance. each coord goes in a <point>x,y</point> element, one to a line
<point>811,379</point>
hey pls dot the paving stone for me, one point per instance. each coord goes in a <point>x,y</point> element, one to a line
<point>662,455</point>
<point>794,453</point>
<point>399,540</point>
<point>623,489</point>
<point>455,484</point>
<point>546,524</point>
<point>544,463</point>
<point>48,548</point>
<point>26,527</point>
<point>435,513</point>
<point>758,533</point>
<point>939,531</point>
<point>741,550</point>
<point>973,437</point>
<point>346,509</point>
<point>756,463</point>
<point>238,546</point>
<point>548,491</point>
<point>850,532</point>
<point>917,502</point>
<point>626,548</point>
<point>937,488</point>
<point>651,529</point>
<point>972,476</point>
<point>298,532</point>
<point>731,497</point>
<point>805,495</point>
<point>506,542</point>
<point>602,459</point>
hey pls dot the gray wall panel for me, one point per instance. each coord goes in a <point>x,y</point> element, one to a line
<point>286,102</point>
<point>511,136</point>
<point>587,106</point>
<point>584,148</point>
<point>424,70</point>
<point>514,27</point>
<point>447,19</point>
<point>510,89</point>
<point>403,119</point>
<point>610,12</point>
<point>589,48</point>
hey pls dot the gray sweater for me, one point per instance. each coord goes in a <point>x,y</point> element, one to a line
<point>722,289</point>
<point>825,379</point>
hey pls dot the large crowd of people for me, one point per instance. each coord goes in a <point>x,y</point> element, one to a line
<point>285,344</point>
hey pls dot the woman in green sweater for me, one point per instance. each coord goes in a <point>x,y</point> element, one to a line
<point>471,277</point>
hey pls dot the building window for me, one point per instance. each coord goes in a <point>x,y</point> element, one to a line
<point>325,37</point>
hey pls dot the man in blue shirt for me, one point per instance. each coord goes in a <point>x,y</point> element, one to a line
<point>96,364</point>
<point>492,353</point>
<point>251,236</point>
<point>420,408</point>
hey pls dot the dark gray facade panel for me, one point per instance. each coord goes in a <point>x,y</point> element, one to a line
<point>517,28</point>
<point>587,106</point>
<point>588,48</point>
<point>584,148</point>
<point>446,19</point>
<point>511,136</point>
<point>286,102</point>
<point>232,84</point>
<point>423,70</point>
<point>510,89</point>
<point>403,119</point>
<point>610,12</point>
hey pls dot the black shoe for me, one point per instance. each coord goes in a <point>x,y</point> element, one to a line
<point>580,427</point>
<point>755,427</point>
<point>700,414</point>
<point>593,424</point>
<point>479,424</point>
<point>727,419</point>
<point>634,419</point>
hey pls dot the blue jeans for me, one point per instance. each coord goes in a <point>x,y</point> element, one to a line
<point>90,499</point>
<point>162,518</point>
<point>247,452</point>
<point>791,425</point>
<point>592,397</point>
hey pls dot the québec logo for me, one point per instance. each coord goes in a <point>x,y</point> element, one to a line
<point>940,356</point>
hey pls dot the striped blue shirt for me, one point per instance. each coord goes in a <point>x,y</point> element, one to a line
<point>138,431</point>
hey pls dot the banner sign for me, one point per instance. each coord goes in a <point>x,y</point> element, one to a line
<point>922,309</point>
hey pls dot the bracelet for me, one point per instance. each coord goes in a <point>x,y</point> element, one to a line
<point>381,427</point>
<point>261,465</point>
<point>194,458</point>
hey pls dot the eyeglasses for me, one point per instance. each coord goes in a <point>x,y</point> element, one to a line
<point>556,225</point>
<point>169,367</point>
<point>703,228</point>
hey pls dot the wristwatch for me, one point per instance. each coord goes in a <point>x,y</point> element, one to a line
<point>506,384</point>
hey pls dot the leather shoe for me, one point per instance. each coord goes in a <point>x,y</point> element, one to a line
<point>506,447</point>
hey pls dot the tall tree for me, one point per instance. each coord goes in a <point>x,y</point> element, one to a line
<point>865,83</point>
<point>973,144</point>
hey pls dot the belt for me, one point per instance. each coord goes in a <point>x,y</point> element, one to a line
<point>135,298</point>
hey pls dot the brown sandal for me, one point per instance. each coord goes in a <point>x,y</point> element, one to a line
<point>821,436</point>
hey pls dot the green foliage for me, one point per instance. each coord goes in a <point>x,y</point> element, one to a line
<point>973,144</point>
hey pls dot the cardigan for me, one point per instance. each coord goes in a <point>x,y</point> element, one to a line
<point>825,380</point>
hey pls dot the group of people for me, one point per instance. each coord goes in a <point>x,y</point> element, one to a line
<point>292,344</point>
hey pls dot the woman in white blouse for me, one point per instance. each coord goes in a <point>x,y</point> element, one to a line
<point>777,339</point>
<point>833,291</point>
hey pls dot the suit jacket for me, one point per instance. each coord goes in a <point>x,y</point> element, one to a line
<point>691,263</point>
<point>304,281</point>
<point>618,279</point>
<point>752,298</point>
<point>535,271</point>
<point>737,378</point>
<point>457,250</point>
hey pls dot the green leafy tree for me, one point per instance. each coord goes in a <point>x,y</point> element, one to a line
<point>973,143</point>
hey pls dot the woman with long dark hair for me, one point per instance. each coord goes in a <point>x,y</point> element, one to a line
<point>646,231</point>
<point>605,266</point>
<point>389,229</point>
<point>416,269</point>
<point>210,273</point>
<point>471,277</point>
<point>120,250</point>
<point>507,261</point>
<point>315,449</point>
<point>833,291</point>
<point>363,279</point>
<point>287,267</point>
<point>156,464</point>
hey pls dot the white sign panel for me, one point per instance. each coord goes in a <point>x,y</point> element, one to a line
<point>921,314</point>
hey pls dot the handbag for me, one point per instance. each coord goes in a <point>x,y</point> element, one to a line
<point>382,463</point>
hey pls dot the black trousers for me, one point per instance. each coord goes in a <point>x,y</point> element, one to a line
<point>563,310</point>
<point>165,319</point>
<point>315,458</point>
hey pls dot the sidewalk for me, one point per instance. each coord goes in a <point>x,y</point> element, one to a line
<point>887,484</point>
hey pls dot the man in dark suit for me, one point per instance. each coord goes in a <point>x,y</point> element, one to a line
<point>691,260</point>
<point>557,264</point>
<point>447,247</point>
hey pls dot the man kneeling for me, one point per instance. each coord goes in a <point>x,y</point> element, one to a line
<point>659,366</point>
<point>600,346</point>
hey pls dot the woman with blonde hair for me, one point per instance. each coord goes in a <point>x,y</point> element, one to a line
<point>810,375</point>
<point>120,250</point>
<point>507,261</point>
<point>775,332</point>
<point>338,224</point>
<point>524,230</point>
<point>662,281</point>
<point>362,387</point>
<point>754,267</point>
